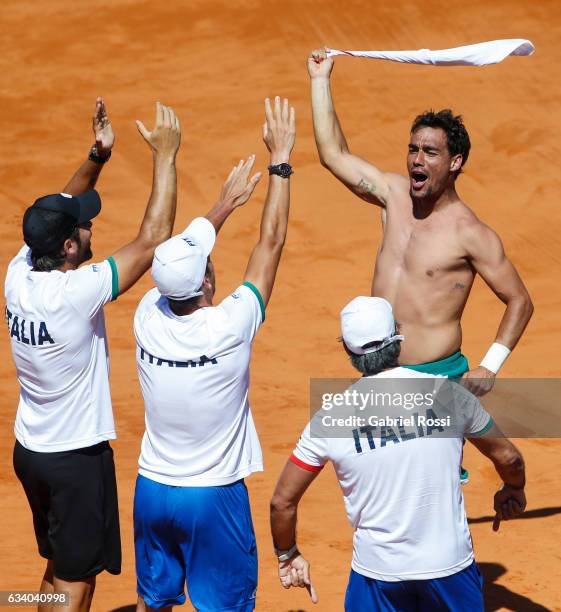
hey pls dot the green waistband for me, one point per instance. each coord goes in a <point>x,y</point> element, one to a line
<point>453,366</point>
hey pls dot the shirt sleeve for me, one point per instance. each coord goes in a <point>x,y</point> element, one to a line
<point>23,257</point>
<point>20,264</point>
<point>311,453</point>
<point>90,287</point>
<point>143,310</point>
<point>246,309</point>
<point>476,421</point>
<point>21,261</point>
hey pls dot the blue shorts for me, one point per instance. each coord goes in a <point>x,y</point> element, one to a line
<point>202,536</point>
<point>460,592</point>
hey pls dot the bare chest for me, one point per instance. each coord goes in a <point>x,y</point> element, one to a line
<point>424,248</point>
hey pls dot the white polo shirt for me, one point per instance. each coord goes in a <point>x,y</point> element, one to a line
<point>402,494</point>
<point>57,332</point>
<point>194,375</point>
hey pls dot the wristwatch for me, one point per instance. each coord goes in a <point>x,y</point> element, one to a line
<point>96,157</point>
<point>285,555</point>
<point>282,170</point>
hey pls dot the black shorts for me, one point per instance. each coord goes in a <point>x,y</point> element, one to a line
<point>73,498</point>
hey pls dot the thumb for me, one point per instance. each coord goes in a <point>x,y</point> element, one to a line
<point>250,187</point>
<point>143,131</point>
<point>255,179</point>
<point>496,522</point>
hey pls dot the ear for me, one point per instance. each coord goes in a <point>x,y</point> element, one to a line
<point>206,281</point>
<point>69,247</point>
<point>456,163</point>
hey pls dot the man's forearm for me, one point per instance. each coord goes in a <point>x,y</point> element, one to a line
<point>158,220</point>
<point>327,129</point>
<point>274,221</point>
<point>511,470</point>
<point>283,525</point>
<point>515,319</point>
<point>219,213</point>
<point>84,178</point>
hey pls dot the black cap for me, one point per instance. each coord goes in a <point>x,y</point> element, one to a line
<point>51,219</point>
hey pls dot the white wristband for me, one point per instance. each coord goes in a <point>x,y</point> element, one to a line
<point>495,357</point>
<point>285,555</point>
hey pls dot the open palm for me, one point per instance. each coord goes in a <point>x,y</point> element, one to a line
<point>103,132</point>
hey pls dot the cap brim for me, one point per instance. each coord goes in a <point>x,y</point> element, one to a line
<point>383,344</point>
<point>90,205</point>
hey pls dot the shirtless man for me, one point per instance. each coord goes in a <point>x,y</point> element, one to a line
<point>433,244</point>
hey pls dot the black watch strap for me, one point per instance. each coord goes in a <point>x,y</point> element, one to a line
<point>96,158</point>
<point>282,170</point>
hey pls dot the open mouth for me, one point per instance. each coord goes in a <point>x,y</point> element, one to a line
<point>418,179</point>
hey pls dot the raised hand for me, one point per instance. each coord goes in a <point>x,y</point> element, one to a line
<point>237,189</point>
<point>165,138</point>
<point>296,573</point>
<point>279,130</point>
<point>319,65</point>
<point>103,132</point>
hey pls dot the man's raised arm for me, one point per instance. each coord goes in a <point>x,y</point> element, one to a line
<point>87,174</point>
<point>279,132</point>
<point>134,259</point>
<point>361,177</point>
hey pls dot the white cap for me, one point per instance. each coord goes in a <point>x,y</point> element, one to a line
<point>365,320</point>
<point>179,263</point>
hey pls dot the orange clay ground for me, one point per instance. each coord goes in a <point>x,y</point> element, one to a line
<point>214,62</point>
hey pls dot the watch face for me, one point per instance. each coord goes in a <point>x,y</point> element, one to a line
<point>284,170</point>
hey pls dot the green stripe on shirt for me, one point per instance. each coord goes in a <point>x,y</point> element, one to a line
<point>487,427</point>
<point>114,278</point>
<point>259,298</point>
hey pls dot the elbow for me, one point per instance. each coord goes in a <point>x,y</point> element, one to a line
<point>328,159</point>
<point>324,161</point>
<point>153,238</point>
<point>281,505</point>
<point>273,238</point>
<point>275,244</point>
<point>523,306</point>
<point>529,307</point>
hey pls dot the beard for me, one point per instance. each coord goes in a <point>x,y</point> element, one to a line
<point>87,255</point>
<point>425,194</point>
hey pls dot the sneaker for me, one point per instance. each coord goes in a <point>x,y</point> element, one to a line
<point>464,475</point>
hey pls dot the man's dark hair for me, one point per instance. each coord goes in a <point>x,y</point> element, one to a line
<point>55,258</point>
<point>374,363</point>
<point>457,137</point>
<point>185,304</point>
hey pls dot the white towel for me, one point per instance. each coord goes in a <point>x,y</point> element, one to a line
<point>480,54</point>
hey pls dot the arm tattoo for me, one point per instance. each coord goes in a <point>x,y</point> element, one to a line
<point>366,187</point>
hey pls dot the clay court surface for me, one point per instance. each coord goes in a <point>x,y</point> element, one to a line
<point>214,62</point>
